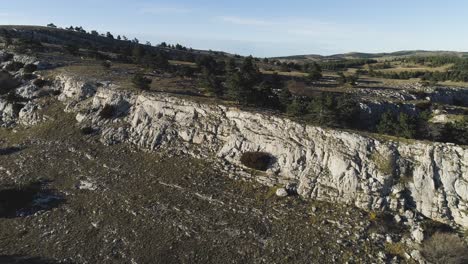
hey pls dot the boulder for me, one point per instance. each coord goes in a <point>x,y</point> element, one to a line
<point>281,192</point>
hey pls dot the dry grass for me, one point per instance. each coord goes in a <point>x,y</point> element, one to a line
<point>445,248</point>
<point>415,68</point>
<point>185,63</point>
<point>290,74</point>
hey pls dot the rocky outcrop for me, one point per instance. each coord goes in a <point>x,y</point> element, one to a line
<point>331,165</point>
<point>8,113</point>
<point>446,95</point>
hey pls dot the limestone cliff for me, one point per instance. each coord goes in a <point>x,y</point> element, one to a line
<point>331,165</point>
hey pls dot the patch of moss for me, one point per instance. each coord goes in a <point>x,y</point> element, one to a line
<point>395,249</point>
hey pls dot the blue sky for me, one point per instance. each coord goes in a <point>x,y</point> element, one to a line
<point>263,28</point>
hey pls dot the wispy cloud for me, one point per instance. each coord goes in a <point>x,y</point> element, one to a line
<point>292,26</point>
<point>245,21</point>
<point>164,10</point>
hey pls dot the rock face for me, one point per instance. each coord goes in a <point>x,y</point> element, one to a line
<point>331,165</point>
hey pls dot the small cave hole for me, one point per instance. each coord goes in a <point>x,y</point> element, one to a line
<point>256,160</point>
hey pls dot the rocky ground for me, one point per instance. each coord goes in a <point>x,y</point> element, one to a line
<point>117,204</point>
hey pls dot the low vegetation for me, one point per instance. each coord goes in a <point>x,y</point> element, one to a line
<point>141,82</point>
<point>445,248</point>
<point>384,164</point>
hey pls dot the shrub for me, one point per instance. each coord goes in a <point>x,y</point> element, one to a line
<point>48,92</point>
<point>30,68</point>
<point>107,111</point>
<point>14,66</point>
<point>6,57</point>
<point>72,49</point>
<point>87,130</point>
<point>395,249</point>
<point>256,160</point>
<point>401,125</point>
<point>141,82</point>
<point>12,97</point>
<point>41,83</point>
<point>106,64</point>
<point>445,248</point>
<point>29,76</point>
<point>7,82</point>
<point>425,105</point>
<point>384,164</point>
<point>373,216</point>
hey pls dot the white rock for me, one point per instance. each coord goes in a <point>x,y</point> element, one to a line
<point>397,219</point>
<point>86,185</point>
<point>281,192</point>
<point>418,235</point>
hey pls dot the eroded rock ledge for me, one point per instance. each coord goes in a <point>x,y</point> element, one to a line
<point>324,164</point>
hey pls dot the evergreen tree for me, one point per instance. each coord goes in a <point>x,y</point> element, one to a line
<point>241,83</point>
<point>211,83</point>
<point>341,78</point>
<point>141,82</point>
<point>314,75</point>
<point>234,86</point>
<point>284,98</point>
<point>407,126</point>
<point>231,66</point>
<point>138,52</point>
<point>321,110</point>
<point>297,108</point>
<point>387,123</point>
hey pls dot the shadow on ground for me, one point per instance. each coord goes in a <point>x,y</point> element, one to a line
<point>9,151</point>
<point>17,259</point>
<point>26,200</point>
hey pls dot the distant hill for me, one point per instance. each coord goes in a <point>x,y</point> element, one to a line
<point>86,40</point>
<point>361,55</point>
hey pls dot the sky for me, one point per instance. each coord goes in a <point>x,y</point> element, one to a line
<point>262,28</point>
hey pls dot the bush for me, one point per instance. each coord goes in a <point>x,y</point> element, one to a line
<point>14,66</point>
<point>87,130</point>
<point>256,160</point>
<point>106,64</point>
<point>41,83</point>
<point>6,57</point>
<point>29,76</point>
<point>30,68</point>
<point>401,125</point>
<point>141,82</point>
<point>7,82</point>
<point>107,111</point>
<point>445,248</point>
<point>72,49</point>
<point>13,98</point>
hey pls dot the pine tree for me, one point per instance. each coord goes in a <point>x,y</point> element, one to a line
<point>141,82</point>
<point>211,83</point>
<point>234,86</point>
